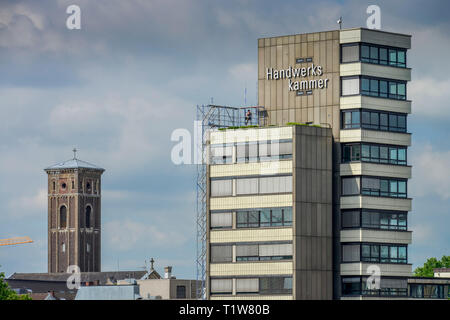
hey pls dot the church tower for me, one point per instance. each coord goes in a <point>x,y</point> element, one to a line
<point>74,216</point>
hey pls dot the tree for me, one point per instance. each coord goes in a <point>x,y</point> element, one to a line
<point>432,263</point>
<point>6,293</point>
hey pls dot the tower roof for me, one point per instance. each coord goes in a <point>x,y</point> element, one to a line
<point>74,164</point>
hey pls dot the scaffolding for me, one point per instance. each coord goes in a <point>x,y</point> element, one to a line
<point>213,117</point>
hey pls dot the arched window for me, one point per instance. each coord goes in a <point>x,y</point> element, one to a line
<point>88,216</point>
<point>63,217</point>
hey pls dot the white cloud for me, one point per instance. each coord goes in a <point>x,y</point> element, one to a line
<point>29,205</point>
<point>422,234</point>
<point>431,172</point>
<point>244,71</point>
<point>430,97</point>
<point>126,234</point>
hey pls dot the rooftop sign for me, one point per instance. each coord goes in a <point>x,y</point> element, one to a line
<point>292,73</point>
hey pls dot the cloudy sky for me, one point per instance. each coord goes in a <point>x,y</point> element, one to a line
<point>118,87</point>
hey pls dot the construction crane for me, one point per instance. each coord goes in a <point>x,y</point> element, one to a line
<point>15,240</point>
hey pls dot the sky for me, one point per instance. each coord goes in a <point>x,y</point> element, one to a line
<point>118,88</point>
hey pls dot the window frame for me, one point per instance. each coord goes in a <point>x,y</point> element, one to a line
<point>380,226</point>
<point>378,60</point>
<point>377,259</point>
<point>372,192</point>
<point>358,114</point>
<point>347,148</point>
<point>376,93</point>
<point>270,224</point>
<point>382,292</point>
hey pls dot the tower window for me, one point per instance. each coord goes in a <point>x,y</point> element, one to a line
<point>88,216</point>
<point>63,185</point>
<point>73,184</point>
<point>54,186</point>
<point>88,186</point>
<point>63,247</point>
<point>88,247</point>
<point>63,217</point>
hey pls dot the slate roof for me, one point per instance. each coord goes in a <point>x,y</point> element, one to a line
<point>74,164</point>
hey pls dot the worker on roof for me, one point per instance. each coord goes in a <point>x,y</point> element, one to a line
<point>248,117</point>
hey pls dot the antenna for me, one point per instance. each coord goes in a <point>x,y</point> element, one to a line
<point>340,22</point>
<point>245,96</point>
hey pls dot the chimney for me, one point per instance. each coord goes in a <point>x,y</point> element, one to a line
<point>168,272</point>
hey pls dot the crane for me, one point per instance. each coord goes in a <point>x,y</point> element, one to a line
<point>15,240</point>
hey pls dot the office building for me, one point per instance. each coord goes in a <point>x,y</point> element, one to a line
<point>341,182</point>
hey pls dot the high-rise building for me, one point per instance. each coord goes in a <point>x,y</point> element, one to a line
<point>328,213</point>
<point>74,216</point>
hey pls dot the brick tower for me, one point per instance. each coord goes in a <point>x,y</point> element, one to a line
<point>74,216</point>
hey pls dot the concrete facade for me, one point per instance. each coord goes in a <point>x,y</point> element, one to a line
<point>349,196</point>
<point>308,265</point>
<point>167,289</point>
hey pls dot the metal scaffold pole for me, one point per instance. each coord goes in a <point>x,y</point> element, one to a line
<point>213,117</point>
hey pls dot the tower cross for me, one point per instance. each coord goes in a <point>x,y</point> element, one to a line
<point>74,153</point>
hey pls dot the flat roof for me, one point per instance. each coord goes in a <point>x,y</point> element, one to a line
<point>348,29</point>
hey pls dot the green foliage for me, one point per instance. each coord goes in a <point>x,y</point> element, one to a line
<point>241,127</point>
<point>6,293</point>
<point>301,124</point>
<point>432,263</point>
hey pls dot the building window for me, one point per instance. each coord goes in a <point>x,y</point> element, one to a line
<point>376,153</point>
<point>88,216</point>
<point>221,154</point>
<point>266,217</point>
<point>221,286</point>
<point>275,285</point>
<point>264,185</point>
<point>350,86</point>
<point>221,220</point>
<point>63,217</point>
<point>264,252</point>
<point>247,286</point>
<point>253,186</point>
<point>247,152</point>
<point>181,292</point>
<point>54,186</point>
<point>73,185</point>
<point>88,247</point>
<point>256,286</point>
<point>388,287</point>
<point>375,87</point>
<point>63,186</point>
<point>373,120</point>
<point>428,291</point>
<point>374,186</point>
<point>351,186</point>
<point>88,186</point>
<point>373,252</point>
<point>376,54</point>
<point>253,151</point>
<point>221,253</point>
<point>221,188</point>
<point>350,53</point>
<point>63,247</point>
<point>374,219</point>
